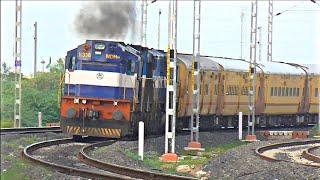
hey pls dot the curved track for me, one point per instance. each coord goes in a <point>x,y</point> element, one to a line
<point>135,173</point>
<point>29,130</point>
<point>293,152</point>
<point>27,154</point>
<point>307,154</point>
<point>104,171</point>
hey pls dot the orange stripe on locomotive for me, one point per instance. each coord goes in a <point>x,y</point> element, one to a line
<point>107,108</point>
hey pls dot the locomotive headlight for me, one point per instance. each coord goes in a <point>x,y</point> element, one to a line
<point>117,115</point>
<point>71,113</point>
<point>84,101</point>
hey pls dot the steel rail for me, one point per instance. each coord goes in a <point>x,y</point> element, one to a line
<point>29,130</point>
<point>262,149</point>
<point>135,173</point>
<point>27,155</point>
<point>307,154</point>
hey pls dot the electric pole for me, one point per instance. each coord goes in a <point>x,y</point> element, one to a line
<point>18,33</point>
<point>144,15</point>
<point>159,28</point>
<point>270,29</point>
<point>171,98</point>
<point>195,77</point>
<point>252,71</point>
<point>260,43</point>
<point>241,38</point>
<point>35,50</point>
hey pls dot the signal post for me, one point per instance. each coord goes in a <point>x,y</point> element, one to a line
<point>252,72</point>
<point>170,155</point>
<point>194,143</point>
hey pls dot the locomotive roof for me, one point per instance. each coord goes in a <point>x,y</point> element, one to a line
<point>205,62</point>
<point>313,68</point>
<point>280,68</point>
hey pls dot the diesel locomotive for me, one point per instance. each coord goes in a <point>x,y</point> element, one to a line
<point>109,86</point>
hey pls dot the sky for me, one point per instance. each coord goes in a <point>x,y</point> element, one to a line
<point>296,33</point>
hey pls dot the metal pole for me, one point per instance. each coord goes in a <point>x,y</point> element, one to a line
<point>241,38</point>
<point>260,43</point>
<point>255,68</point>
<point>270,29</point>
<point>35,50</point>
<point>159,28</point>
<point>18,33</point>
<point>144,22</point>
<point>195,79</point>
<point>171,78</point>
<point>252,88</point>
<point>167,131</point>
<point>141,31</point>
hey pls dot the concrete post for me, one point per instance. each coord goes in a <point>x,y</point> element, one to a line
<point>141,139</point>
<point>39,119</point>
<point>240,126</point>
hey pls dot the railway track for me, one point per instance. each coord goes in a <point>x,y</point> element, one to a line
<point>29,130</point>
<point>294,152</point>
<point>99,169</point>
<point>136,173</point>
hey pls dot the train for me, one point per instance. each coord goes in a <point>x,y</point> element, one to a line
<point>109,86</point>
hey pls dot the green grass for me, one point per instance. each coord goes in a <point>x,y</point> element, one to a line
<point>152,160</point>
<point>15,171</point>
<point>6,123</point>
<point>17,168</point>
<point>226,147</point>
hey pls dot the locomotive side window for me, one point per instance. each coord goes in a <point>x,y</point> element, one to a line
<point>71,64</point>
<point>130,67</point>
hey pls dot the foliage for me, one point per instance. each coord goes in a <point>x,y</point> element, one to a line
<point>39,94</point>
<point>6,123</point>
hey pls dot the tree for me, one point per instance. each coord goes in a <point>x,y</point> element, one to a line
<point>39,94</point>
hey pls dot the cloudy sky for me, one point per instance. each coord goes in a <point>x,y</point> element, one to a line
<point>296,32</point>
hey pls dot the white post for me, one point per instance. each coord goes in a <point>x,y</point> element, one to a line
<point>39,119</point>
<point>240,125</point>
<point>141,139</point>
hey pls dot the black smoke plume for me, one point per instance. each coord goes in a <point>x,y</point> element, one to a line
<point>106,19</point>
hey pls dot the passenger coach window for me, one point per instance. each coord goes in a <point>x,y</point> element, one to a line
<point>316,93</point>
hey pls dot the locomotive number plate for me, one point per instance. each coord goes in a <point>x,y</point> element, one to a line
<point>84,55</point>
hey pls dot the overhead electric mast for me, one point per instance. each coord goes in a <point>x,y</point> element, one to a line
<point>171,84</point>
<point>252,70</point>
<point>144,14</point>
<point>195,77</point>
<point>35,49</point>
<point>270,29</point>
<point>17,55</point>
<point>241,36</point>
